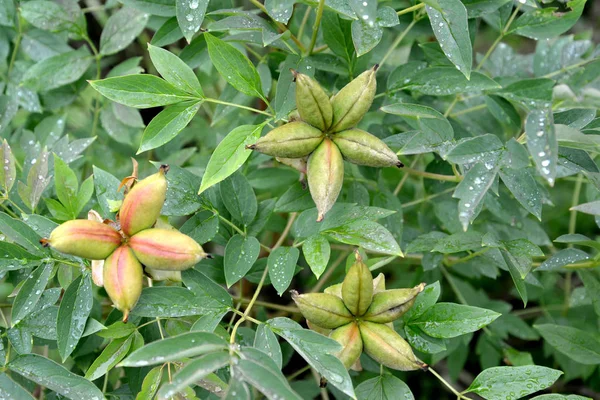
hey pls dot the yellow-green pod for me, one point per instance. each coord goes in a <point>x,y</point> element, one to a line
<point>312,102</point>
<point>292,140</point>
<point>123,277</point>
<point>335,290</point>
<point>389,305</point>
<point>379,283</point>
<point>362,148</point>
<point>325,176</point>
<point>322,309</point>
<point>354,100</point>
<point>84,238</point>
<point>387,347</point>
<point>357,288</point>
<point>349,337</point>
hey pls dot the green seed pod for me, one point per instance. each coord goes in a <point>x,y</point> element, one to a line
<point>166,249</point>
<point>162,275</point>
<point>389,305</point>
<point>354,100</point>
<point>84,238</point>
<point>379,283</point>
<point>123,279</point>
<point>141,207</point>
<point>325,175</point>
<point>335,290</point>
<point>385,346</point>
<point>362,148</point>
<point>312,102</point>
<point>299,164</point>
<point>318,329</point>
<point>349,337</point>
<point>292,140</point>
<point>322,309</point>
<point>357,288</point>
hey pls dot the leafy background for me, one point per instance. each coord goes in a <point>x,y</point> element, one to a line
<point>491,105</point>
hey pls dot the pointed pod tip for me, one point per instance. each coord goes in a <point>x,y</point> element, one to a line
<point>294,294</point>
<point>421,286</point>
<point>45,242</point>
<point>400,164</point>
<point>125,316</point>
<point>321,217</point>
<point>294,73</point>
<point>164,168</point>
<point>251,146</point>
<point>375,67</point>
<point>423,366</point>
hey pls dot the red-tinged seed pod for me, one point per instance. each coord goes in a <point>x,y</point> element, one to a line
<point>349,337</point>
<point>83,238</point>
<point>141,207</point>
<point>166,249</point>
<point>325,175</point>
<point>312,102</point>
<point>123,277</point>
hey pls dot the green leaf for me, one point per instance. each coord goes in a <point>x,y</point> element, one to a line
<point>316,250</point>
<point>280,10</point>
<point>524,187</point>
<point>533,93</point>
<point>576,344</point>
<point>443,81</point>
<point>168,302</point>
<point>30,292</point>
<point>266,341</point>
<point>472,190</point>
<point>105,186</point>
<point>110,356</point>
<point>239,198</point>
<point>47,15</point>
<point>518,272</point>
<point>593,208</point>
<point>150,384</point>
<point>55,377</point>
<point>562,258</point>
<point>425,300</point>
<point>163,8</point>
<point>182,198</point>
<point>422,342</point>
<point>175,71</point>
<point>167,124</point>
<point>271,383</point>
<point>8,172</point>
<point>73,313</point>
<point>282,265</point>
<point>202,227</point>
<point>383,387</point>
<point>212,295</point>
<point>58,70</point>
<point>190,15</point>
<point>21,234</point>
<point>168,33</point>
<point>13,257</point>
<point>233,66</point>
<point>448,320</point>
<point>542,143</point>
<point>66,186</point>
<point>118,330</point>
<point>576,238</point>
<point>545,23</point>
<point>175,348</point>
<point>10,389</point>
<point>451,28</point>
<point>194,372</point>
<point>367,234</point>
<point>337,34</point>
<point>140,91</point>
<point>485,148</point>
<point>121,29</point>
<point>241,253</point>
<point>458,242</point>
<point>592,287</point>
<point>423,118</point>
<point>499,382</point>
<point>230,154</point>
<point>365,35</point>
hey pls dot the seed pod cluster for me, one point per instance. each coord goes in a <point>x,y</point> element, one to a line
<point>122,251</point>
<point>358,314</point>
<point>327,135</point>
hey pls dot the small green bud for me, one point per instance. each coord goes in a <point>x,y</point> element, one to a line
<point>312,102</point>
<point>354,100</point>
<point>357,288</point>
<point>325,175</point>
<point>349,337</point>
<point>389,305</point>
<point>362,148</point>
<point>322,309</point>
<point>387,347</point>
<point>292,140</point>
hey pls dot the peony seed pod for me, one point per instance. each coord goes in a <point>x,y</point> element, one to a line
<point>389,305</point>
<point>349,337</point>
<point>357,288</point>
<point>166,249</point>
<point>141,207</point>
<point>354,100</point>
<point>292,140</point>
<point>299,164</point>
<point>335,290</point>
<point>123,279</point>
<point>325,176</point>
<point>84,238</point>
<point>312,102</point>
<point>387,347</point>
<point>322,309</point>
<point>162,275</point>
<point>379,283</point>
<point>318,329</point>
<point>362,148</point>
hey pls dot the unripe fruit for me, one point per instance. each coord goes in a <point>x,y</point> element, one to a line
<point>299,164</point>
<point>141,207</point>
<point>379,283</point>
<point>292,140</point>
<point>354,100</point>
<point>362,148</point>
<point>385,346</point>
<point>312,102</point>
<point>322,309</point>
<point>83,238</point>
<point>166,249</point>
<point>162,275</point>
<point>123,279</point>
<point>318,329</point>
<point>349,337</point>
<point>325,176</point>
<point>357,288</point>
<point>335,290</point>
<point>389,305</point>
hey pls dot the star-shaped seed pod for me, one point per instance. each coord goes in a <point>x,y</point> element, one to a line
<point>121,251</point>
<point>327,135</point>
<point>358,313</point>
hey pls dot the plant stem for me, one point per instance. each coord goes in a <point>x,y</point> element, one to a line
<point>430,175</point>
<point>226,103</point>
<point>424,199</point>
<point>451,106</point>
<point>286,231</point>
<point>499,38</point>
<point>572,228</point>
<point>405,176</point>
<point>266,304</point>
<point>298,373</point>
<point>397,41</point>
<point>448,385</point>
<point>316,26</point>
<point>468,110</point>
<point>98,57</point>
<point>304,21</point>
<point>247,311</point>
<point>411,9</point>
<point>13,56</point>
<point>565,69</point>
<point>281,26</point>
<point>330,271</point>
<point>241,232</point>
<point>450,263</point>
